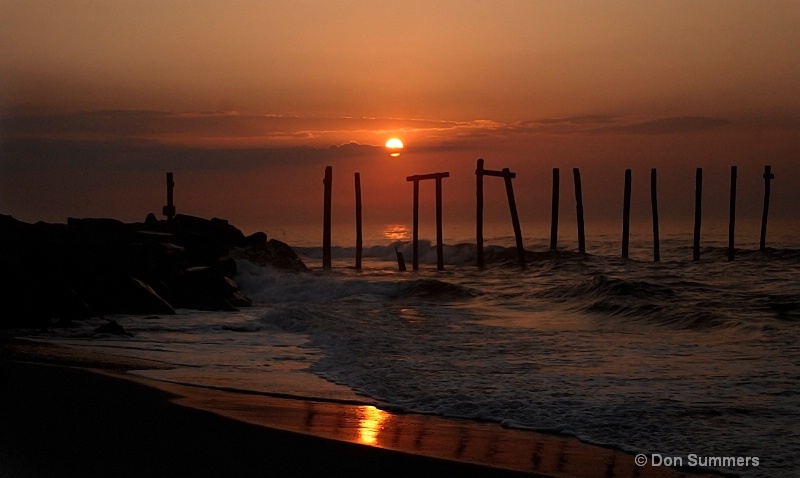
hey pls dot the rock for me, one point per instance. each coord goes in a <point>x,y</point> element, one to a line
<point>257,239</point>
<point>113,328</point>
<point>90,266</point>
<point>274,253</point>
<point>206,288</point>
<point>120,294</point>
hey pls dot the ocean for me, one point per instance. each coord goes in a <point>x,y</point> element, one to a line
<point>675,359</point>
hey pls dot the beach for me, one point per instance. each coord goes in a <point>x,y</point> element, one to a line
<point>67,412</point>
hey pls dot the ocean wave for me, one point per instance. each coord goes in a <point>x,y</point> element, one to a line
<point>268,286</point>
<point>641,301</point>
<point>494,255</point>
<point>452,254</point>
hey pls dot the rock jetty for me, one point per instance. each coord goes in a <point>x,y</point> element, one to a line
<point>52,274</point>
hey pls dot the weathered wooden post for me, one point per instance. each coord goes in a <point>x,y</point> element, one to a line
<point>401,263</point>
<point>359,237</point>
<point>654,206</point>
<point>439,237</point>
<point>507,175</point>
<point>732,219</point>
<point>767,177</point>
<point>512,205</point>
<point>626,215</point>
<point>169,209</point>
<point>326,221</point>
<point>576,174</point>
<point>415,229</point>
<point>415,233</point>
<point>698,205</point>
<point>554,212</point>
<point>479,214</point>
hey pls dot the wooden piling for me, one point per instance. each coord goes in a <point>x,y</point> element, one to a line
<point>576,174</point>
<point>401,263</point>
<point>169,209</point>
<point>415,233</point>
<point>326,221</point>
<point>626,215</point>
<point>415,229</point>
<point>554,212</point>
<point>507,175</point>
<point>512,205</point>
<point>359,237</point>
<point>654,206</point>
<point>439,235</point>
<point>732,219</point>
<point>479,214</point>
<point>768,176</point>
<point>698,204</point>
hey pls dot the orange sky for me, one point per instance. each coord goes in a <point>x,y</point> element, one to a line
<point>247,101</point>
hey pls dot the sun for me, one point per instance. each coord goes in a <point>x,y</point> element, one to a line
<point>394,145</point>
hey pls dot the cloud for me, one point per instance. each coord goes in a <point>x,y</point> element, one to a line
<point>671,125</point>
<point>573,120</point>
<point>596,124</point>
<point>32,155</point>
<point>183,127</point>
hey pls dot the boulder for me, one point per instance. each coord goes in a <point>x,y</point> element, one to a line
<point>64,272</point>
<point>206,288</point>
<point>113,328</point>
<point>274,253</point>
<point>121,294</point>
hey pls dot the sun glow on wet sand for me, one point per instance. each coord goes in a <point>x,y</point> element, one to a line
<point>371,423</point>
<point>394,146</point>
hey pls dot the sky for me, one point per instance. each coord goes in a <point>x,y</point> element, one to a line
<point>248,101</point>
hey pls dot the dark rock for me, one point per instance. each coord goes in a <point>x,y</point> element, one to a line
<point>90,266</point>
<point>226,266</point>
<point>112,327</point>
<point>274,253</point>
<point>151,220</point>
<point>257,239</point>
<point>206,288</point>
<point>119,294</point>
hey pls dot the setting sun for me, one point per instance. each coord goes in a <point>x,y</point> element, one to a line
<point>394,145</point>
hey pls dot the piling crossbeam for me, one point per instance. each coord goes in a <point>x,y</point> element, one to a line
<point>415,232</point>
<point>507,175</point>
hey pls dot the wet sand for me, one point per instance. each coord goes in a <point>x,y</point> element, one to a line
<point>66,412</point>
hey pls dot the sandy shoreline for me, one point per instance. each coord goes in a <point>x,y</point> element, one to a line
<point>67,412</point>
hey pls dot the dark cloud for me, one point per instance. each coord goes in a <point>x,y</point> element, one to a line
<point>672,125</point>
<point>163,125</point>
<point>32,155</point>
<point>594,124</point>
<point>577,120</point>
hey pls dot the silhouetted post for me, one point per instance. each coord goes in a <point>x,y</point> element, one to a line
<point>732,220</point>
<point>767,177</point>
<point>698,205</point>
<point>554,212</point>
<point>654,205</point>
<point>626,215</point>
<point>479,213</point>
<point>415,231</point>
<point>576,174</point>
<point>359,238</point>
<point>439,240</point>
<point>401,263</point>
<point>439,237</point>
<point>326,221</point>
<point>169,209</point>
<point>512,205</point>
<point>507,175</point>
